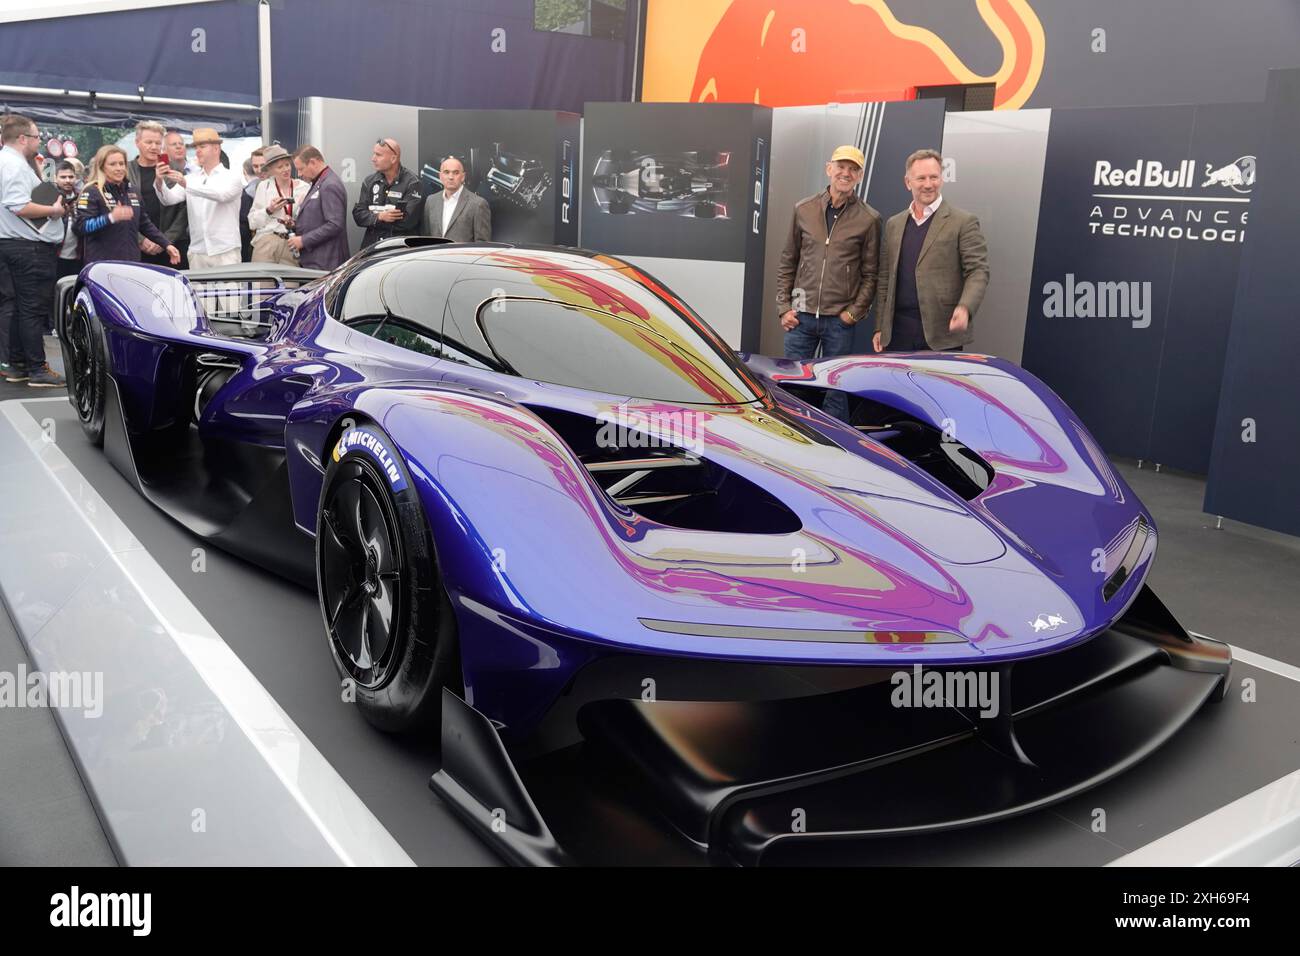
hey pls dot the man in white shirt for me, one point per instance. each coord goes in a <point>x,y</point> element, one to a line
<point>211,194</point>
<point>30,235</point>
<point>456,213</point>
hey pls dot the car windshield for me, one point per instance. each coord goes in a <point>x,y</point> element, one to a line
<point>613,331</point>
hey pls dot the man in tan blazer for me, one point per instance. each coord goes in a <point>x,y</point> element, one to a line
<point>934,267</point>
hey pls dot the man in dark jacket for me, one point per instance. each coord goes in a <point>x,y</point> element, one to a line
<point>142,173</point>
<point>826,279</point>
<point>320,234</point>
<point>175,220</point>
<point>252,177</point>
<point>392,198</point>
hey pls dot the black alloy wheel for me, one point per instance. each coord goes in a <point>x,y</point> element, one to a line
<point>361,574</point>
<point>389,620</point>
<point>84,362</point>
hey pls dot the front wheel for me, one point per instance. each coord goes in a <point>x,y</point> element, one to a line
<point>86,364</point>
<point>388,619</point>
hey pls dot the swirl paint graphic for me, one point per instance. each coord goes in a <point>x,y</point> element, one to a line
<point>796,53</point>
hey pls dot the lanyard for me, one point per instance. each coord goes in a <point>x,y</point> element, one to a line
<point>281,213</point>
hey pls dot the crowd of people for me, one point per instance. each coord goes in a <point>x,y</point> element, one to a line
<point>924,270</point>
<point>164,208</point>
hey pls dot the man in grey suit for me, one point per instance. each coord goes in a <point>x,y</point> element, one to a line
<point>456,213</point>
<point>934,267</point>
<point>320,233</point>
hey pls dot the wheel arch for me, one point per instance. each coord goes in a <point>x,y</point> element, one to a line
<point>500,506</point>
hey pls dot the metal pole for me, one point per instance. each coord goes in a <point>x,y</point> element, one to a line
<point>264,65</point>
<point>136,100</point>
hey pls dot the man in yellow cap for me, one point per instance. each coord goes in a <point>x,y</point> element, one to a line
<point>211,194</point>
<point>827,276</point>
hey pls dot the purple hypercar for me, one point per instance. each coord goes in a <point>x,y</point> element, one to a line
<point>658,604</point>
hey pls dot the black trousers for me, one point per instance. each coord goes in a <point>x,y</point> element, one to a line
<point>31,267</point>
<point>6,310</point>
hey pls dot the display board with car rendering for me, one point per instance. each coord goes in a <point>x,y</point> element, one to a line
<point>682,190</point>
<point>523,162</point>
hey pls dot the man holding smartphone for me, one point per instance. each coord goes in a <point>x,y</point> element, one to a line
<point>211,194</point>
<point>174,221</point>
<point>143,174</point>
<point>392,198</point>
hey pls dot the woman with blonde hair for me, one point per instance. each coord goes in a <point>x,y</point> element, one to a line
<point>109,216</point>
<point>276,203</point>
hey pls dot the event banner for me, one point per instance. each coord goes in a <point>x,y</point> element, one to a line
<point>1257,439</point>
<point>1141,224</point>
<point>523,162</point>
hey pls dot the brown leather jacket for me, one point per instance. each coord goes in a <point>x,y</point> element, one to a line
<point>836,272</point>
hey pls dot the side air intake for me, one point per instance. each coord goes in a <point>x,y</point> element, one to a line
<point>672,485</point>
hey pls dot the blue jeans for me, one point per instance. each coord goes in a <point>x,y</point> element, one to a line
<point>834,338</point>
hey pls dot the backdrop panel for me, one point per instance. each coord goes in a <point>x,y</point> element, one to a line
<point>711,288</point>
<point>1224,137</point>
<point>523,162</point>
<point>683,182</point>
<point>803,138</point>
<point>205,51</point>
<point>1039,53</point>
<point>345,131</point>
<point>1139,234</point>
<point>994,168</point>
<point>1255,481</point>
<point>480,54</point>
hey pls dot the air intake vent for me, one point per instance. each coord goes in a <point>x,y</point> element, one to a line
<point>671,485</point>
<point>1126,565</point>
<point>935,453</point>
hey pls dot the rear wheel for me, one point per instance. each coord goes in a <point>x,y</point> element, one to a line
<point>387,617</point>
<point>85,362</point>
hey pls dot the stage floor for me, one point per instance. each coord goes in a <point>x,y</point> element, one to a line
<point>273,630</point>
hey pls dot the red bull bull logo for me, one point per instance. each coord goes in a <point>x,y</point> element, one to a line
<point>795,53</point>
